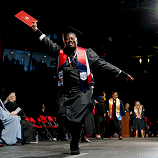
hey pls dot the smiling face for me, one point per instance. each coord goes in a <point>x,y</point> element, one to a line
<point>71,40</point>
<point>115,95</point>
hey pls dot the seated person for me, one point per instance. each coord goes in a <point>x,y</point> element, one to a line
<point>42,111</point>
<point>27,127</point>
<point>11,122</point>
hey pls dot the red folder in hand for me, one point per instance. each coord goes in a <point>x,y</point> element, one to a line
<point>26,18</point>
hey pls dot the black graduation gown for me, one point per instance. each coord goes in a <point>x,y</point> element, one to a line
<point>89,125</point>
<point>73,102</point>
<point>28,131</point>
<point>138,123</point>
<point>99,115</point>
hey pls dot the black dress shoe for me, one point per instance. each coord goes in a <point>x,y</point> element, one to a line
<point>75,152</point>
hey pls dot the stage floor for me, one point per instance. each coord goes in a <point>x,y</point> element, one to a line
<point>126,148</point>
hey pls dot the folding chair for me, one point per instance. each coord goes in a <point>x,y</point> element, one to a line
<point>52,121</point>
<point>49,126</point>
<point>43,122</point>
<point>38,129</point>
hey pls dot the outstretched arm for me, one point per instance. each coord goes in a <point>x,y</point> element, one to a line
<point>96,63</point>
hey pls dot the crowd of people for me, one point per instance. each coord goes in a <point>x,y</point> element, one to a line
<point>103,119</point>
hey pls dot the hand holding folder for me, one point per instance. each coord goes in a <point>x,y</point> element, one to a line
<point>26,18</point>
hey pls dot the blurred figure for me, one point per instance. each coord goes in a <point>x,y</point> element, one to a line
<point>100,115</point>
<point>127,107</point>
<point>138,118</point>
<point>42,110</point>
<point>89,125</point>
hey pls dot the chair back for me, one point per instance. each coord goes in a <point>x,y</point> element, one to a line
<point>27,119</point>
<point>43,119</point>
<point>50,119</point>
<point>38,119</point>
<point>32,120</point>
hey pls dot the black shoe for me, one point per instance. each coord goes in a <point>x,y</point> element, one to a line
<point>75,152</point>
<point>64,139</point>
<point>120,138</point>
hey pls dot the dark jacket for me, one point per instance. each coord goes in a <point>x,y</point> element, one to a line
<point>12,106</point>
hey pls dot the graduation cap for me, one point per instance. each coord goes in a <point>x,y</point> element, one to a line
<point>71,30</point>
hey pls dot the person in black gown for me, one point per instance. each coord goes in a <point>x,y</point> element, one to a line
<point>75,66</point>
<point>100,116</point>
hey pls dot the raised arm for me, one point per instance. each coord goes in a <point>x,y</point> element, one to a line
<point>51,47</point>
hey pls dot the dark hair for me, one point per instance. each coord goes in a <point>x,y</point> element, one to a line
<point>70,33</point>
<point>115,92</point>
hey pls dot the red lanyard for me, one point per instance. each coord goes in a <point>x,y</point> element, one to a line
<point>70,61</point>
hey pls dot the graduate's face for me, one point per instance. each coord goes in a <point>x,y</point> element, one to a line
<point>115,95</point>
<point>71,41</point>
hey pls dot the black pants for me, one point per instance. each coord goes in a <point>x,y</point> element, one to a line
<point>75,129</point>
<point>115,127</point>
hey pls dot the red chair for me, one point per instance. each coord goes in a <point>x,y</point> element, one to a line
<point>52,122</point>
<point>47,125</point>
<point>38,129</point>
<point>27,119</point>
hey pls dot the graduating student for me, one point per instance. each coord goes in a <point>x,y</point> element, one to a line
<point>115,113</point>
<point>138,118</point>
<point>75,66</point>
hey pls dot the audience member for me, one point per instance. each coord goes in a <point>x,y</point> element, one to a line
<point>138,118</point>
<point>12,132</point>
<point>42,110</point>
<point>27,127</point>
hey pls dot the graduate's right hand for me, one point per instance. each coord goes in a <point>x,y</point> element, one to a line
<point>34,27</point>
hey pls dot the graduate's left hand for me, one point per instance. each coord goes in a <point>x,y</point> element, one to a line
<point>129,78</point>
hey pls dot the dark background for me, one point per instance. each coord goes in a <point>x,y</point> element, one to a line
<point>129,23</point>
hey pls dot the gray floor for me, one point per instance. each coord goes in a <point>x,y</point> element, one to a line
<point>128,148</point>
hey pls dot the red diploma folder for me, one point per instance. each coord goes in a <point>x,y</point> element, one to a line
<point>26,18</point>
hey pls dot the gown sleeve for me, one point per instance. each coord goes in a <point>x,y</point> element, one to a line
<point>96,63</point>
<point>51,48</point>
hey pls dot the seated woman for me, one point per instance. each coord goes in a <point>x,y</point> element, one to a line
<point>11,121</point>
<point>27,127</point>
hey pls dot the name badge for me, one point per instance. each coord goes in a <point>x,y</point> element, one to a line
<point>83,76</point>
